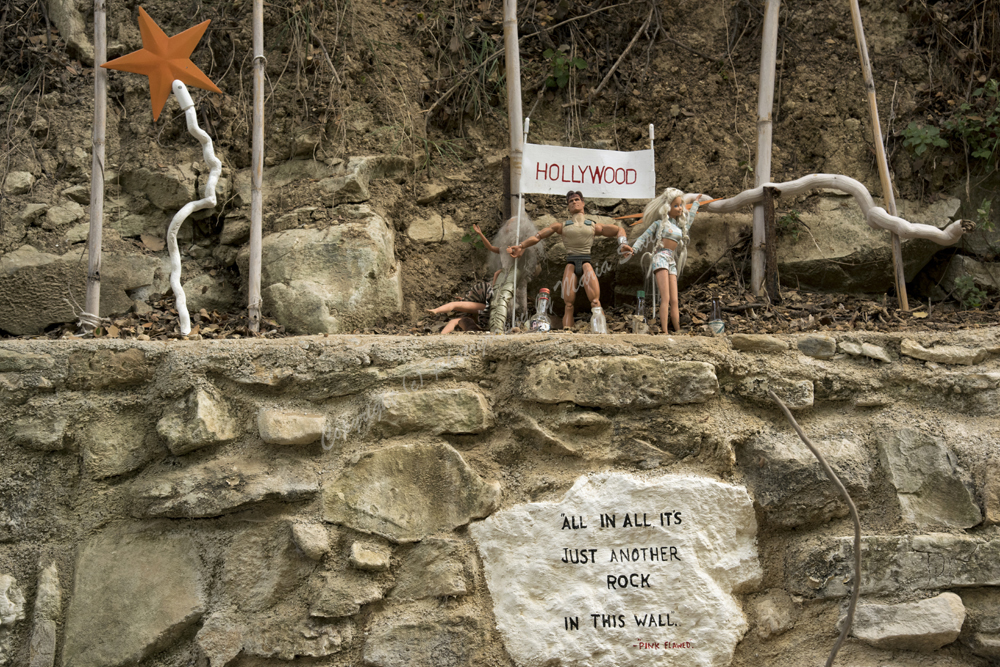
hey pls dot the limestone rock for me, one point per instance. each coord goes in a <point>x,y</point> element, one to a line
<point>18,183</point>
<point>280,427</point>
<point>776,613</point>
<point>18,361</point>
<point>331,280</point>
<point>984,275</point>
<point>108,368</point>
<point>311,539</point>
<point>261,567</point>
<point>577,433</point>
<point>11,612</point>
<point>438,638</point>
<point>914,626</point>
<point>461,410</point>
<point>116,445</point>
<point>890,564</point>
<point>944,354</point>
<point>220,640</point>
<point>168,188</point>
<point>210,293</point>
<point>434,229</point>
<point>788,483</point>
<point>46,435</point>
<point>991,495</point>
<point>757,343</point>
<point>795,394</point>
<point>434,568</point>
<point>818,345</point>
<point>48,611</point>
<point>11,602</point>
<point>198,420</point>
<point>864,350</point>
<point>235,231</point>
<point>618,382</point>
<point>847,255</point>
<point>432,192</point>
<point>981,630</point>
<point>339,594</point>
<point>222,486</point>
<point>78,193</point>
<point>407,492</point>
<point>63,215</point>
<point>133,595</point>
<point>928,486</point>
<point>72,28</point>
<point>31,213</point>
<point>369,557</point>
<point>309,638</point>
<point>711,554</point>
<point>351,186</point>
<point>38,285</point>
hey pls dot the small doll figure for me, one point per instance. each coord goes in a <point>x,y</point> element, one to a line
<point>479,299</point>
<point>669,229</point>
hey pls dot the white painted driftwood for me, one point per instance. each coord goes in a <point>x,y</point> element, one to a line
<point>876,216</point>
<point>208,201</point>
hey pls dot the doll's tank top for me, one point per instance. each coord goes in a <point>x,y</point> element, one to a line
<point>578,238</point>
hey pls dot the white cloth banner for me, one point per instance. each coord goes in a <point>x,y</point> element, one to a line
<point>555,170</point>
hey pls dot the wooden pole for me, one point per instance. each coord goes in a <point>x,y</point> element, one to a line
<point>256,169</point>
<point>883,163</point>
<point>92,303</point>
<point>512,56</point>
<point>771,241</point>
<point>505,166</point>
<point>765,104</point>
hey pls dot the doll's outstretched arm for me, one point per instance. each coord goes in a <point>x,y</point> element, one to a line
<point>516,251</point>
<point>486,241</point>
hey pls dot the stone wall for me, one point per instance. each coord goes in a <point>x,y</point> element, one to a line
<point>449,501</point>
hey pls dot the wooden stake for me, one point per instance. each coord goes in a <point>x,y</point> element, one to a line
<point>505,167</point>
<point>92,304</point>
<point>883,163</point>
<point>512,56</point>
<point>771,241</point>
<point>256,169</point>
<point>765,104</point>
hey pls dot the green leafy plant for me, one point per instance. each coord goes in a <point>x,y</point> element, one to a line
<point>978,123</point>
<point>561,65</point>
<point>968,293</point>
<point>983,215</point>
<point>790,224</point>
<point>921,137</point>
<point>472,238</point>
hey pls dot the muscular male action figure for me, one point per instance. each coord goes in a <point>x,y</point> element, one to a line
<point>578,236</point>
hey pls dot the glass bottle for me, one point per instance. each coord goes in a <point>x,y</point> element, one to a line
<point>540,322</point>
<point>640,308</point>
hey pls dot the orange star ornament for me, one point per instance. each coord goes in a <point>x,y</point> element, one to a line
<point>164,59</point>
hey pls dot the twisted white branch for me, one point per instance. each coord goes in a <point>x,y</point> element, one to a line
<point>208,201</point>
<point>876,216</point>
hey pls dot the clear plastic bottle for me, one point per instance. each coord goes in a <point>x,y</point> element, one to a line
<point>716,325</point>
<point>640,308</point>
<point>540,322</point>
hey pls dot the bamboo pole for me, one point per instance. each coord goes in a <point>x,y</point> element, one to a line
<point>92,304</point>
<point>883,163</point>
<point>765,104</point>
<point>512,56</point>
<point>256,169</point>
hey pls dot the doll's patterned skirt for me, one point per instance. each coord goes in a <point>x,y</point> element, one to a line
<point>664,259</point>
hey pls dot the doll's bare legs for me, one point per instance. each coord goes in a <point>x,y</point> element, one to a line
<point>461,323</point>
<point>591,286</point>
<point>568,295</point>
<point>458,307</point>
<point>666,285</point>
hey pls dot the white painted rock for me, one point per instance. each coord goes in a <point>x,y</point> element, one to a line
<point>653,585</point>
